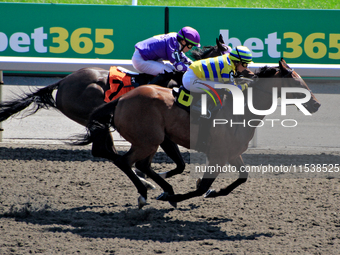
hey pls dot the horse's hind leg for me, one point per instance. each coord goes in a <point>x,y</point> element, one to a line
<point>123,164</point>
<point>110,143</point>
<point>138,153</point>
<point>102,145</point>
<point>145,167</point>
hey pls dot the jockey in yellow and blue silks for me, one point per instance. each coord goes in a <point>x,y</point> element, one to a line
<point>206,73</point>
<point>215,70</point>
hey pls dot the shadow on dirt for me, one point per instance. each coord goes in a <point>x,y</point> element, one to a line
<point>65,155</point>
<point>82,155</point>
<point>150,224</point>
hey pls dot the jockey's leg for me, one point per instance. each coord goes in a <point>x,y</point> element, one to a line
<point>191,85</point>
<point>149,66</point>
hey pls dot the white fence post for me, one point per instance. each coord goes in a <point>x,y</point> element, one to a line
<point>134,2</point>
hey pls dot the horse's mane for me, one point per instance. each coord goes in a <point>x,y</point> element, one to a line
<point>266,72</point>
<point>199,53</point>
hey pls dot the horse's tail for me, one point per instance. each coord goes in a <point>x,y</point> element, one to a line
<point>100,121</point>
<point>41,98</point>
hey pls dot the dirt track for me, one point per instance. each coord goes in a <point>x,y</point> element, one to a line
<point>57,199</point>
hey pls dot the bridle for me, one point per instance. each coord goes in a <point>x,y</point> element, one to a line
<point>290,72</point>
<point>226,50</point>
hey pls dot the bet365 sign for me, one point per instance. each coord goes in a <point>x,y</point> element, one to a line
<point>290,45</point>
<point>80,41</point>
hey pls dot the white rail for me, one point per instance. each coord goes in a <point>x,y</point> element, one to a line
<point>58,64</point>
<point>73,64</point>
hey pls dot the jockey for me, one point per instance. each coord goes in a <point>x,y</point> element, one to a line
<point>214,71</point>
<point>150,53</point>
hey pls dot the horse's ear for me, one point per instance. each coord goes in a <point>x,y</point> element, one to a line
<point>283,65</point>
<point>220,47</point>
<point>220,39</point>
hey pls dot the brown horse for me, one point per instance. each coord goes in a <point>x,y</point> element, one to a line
<point>147,114</point>
<point>79,93</point>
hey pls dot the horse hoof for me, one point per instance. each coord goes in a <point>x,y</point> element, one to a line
<point>163,197</point>
<point>210,193</point>
<point>141,202</point>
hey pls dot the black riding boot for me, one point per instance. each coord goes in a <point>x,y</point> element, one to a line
<point>158,80</point>
<point>162,79</point>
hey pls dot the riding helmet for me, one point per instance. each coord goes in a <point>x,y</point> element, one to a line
<point>241,53</point>
<point>190,35</point>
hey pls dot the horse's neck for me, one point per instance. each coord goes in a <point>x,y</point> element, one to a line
<point>261,99</point>
<point>247,123</point>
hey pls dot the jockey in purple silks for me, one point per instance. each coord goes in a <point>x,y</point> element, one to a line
<point>150,53</point>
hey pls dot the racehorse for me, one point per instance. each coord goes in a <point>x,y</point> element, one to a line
<point>146,115</point>
<point>81,92</point>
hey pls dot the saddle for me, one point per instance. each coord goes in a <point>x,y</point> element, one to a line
<point>122,80</point>
<point>191,102</point>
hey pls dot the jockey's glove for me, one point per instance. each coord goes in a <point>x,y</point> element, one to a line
<point>180,66</point>
<point>242,86</point>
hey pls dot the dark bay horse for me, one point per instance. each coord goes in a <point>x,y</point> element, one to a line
<point>79,93</point>
<point>146,115</point>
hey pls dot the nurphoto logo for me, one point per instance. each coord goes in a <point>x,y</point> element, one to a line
<point>239,103</point>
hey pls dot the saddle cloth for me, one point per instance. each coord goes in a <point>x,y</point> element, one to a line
<point>120,83</point>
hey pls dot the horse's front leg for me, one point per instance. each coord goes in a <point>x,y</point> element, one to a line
<point>206,182</point>
<point>238,162</point>
<point>172,150</point>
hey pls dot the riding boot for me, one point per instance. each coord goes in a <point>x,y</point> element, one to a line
<point>158,80</point>
<point>162,79</point>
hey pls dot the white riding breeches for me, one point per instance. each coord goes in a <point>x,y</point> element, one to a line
<point>192,83</point>
<point>150,66</point>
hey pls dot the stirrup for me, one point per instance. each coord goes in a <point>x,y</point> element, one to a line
<point>208,116</point>
<point>197,110</point>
